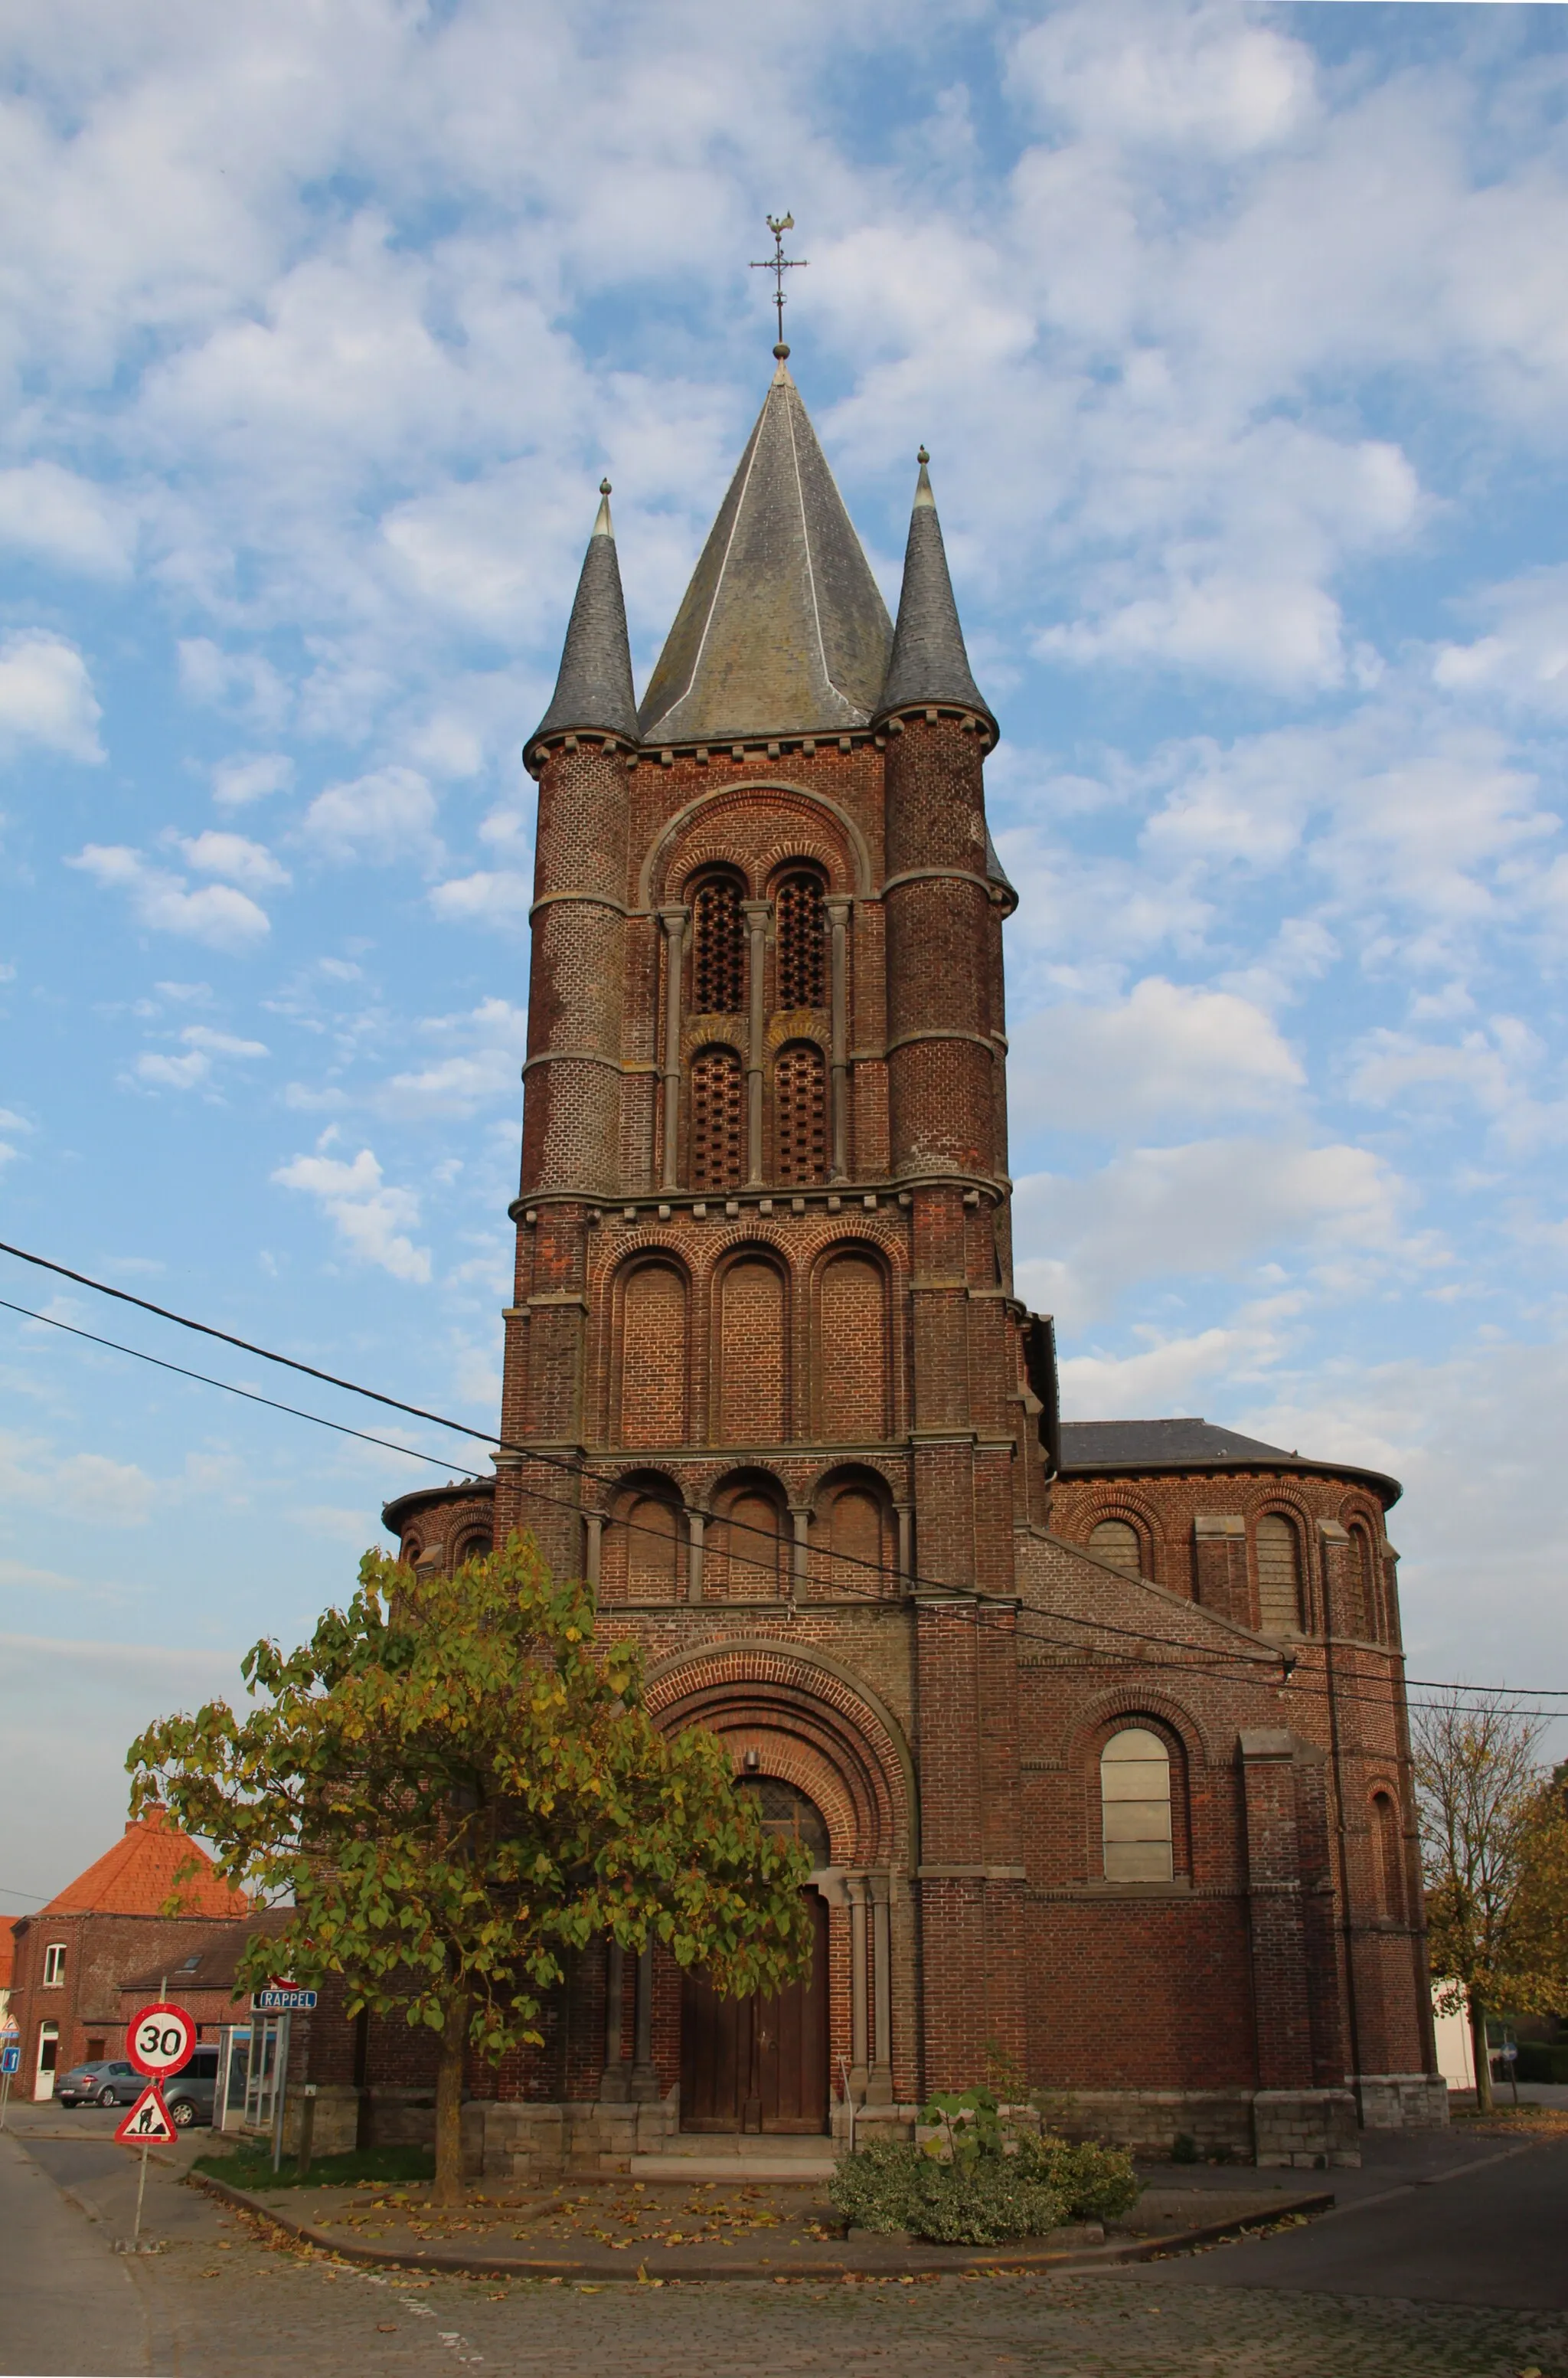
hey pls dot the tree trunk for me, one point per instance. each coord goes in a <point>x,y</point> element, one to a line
<point>1482,2056</point>
<point>449,2188</point>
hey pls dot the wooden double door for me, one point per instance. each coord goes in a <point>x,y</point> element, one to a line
<point>759,2064</point>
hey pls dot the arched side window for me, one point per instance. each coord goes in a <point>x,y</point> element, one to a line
<point>745,1555</point>
<point>1280,1575</point>
<point>1388,1857</point>
<point>1135,1807</point>
<point>718,948</point>
<point>1117,1541</point>
<point>409,1555</point>
<point>800,1114</point>
<point>788,1814</point>
<point>1366,1570</point>
<point>851,1351</point>
<point>653,1356</point>
<point>802,969</point>
<point>471,1548</point>
<point>718,1120</point>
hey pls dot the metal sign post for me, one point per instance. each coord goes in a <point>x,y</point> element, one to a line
<point>158,2041</point>
<point>10,2062</point>
<point>279,2087</point>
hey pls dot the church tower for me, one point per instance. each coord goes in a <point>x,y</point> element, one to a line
<point>1097,1733</point>
<point>764,1349</point>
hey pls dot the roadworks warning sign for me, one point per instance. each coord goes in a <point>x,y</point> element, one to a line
<point>148,2123</point>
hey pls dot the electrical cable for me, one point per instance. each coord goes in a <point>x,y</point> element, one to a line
<point>971,1600</point>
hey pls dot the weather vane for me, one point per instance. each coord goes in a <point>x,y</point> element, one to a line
<point>778,264</point>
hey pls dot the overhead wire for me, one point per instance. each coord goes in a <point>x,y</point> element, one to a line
<point>971,1602</point>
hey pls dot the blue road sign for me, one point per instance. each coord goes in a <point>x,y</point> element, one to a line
<point>281,2002</point>
<point>10,2060</point>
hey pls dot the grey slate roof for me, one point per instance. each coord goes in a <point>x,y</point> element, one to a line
<point>1144,1445</point>
<point>594,688</point>
<point>782,629</point>
<point>929,663</point>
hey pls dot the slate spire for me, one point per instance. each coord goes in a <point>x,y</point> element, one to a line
<point>594,691</point>
<point>928,663</point>
<point>782,629</point>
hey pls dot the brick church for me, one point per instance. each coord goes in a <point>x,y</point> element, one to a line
<point>1097,1731</point>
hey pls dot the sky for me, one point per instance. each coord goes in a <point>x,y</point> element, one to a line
<point>1237,335</point>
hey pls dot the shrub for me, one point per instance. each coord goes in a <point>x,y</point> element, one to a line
<point>981,2180</point>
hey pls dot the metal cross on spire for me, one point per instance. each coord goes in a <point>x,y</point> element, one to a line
<point>778,264</point>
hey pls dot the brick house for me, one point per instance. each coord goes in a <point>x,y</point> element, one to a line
<point>73,1956</point>
<point>1097,1731</point>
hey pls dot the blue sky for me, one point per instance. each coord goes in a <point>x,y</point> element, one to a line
<point>1239,337</point>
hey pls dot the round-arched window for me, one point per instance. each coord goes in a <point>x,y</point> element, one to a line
<point>1117,1541</point>
<point>1135,1806</point>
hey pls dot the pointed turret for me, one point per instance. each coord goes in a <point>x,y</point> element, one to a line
<point>782,629</point>
<point>929,663</point>
<point>594,691</point>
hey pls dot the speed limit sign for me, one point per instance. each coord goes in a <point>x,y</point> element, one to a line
<point>160,2040</point>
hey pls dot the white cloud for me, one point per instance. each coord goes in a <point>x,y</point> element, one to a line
<point>1165,1050</point>
<point>244,683</point>
<point>249,864</point>
<point>95,1490</point>
<point>251,776</point>
<point>202,1048</point>
<point>1525,659</point>
<point>66,520</point>
<point>388,814</point>
<point>485,1068</point>
<point>1165,1375</point>
<point>1179,76</point>
<point>372,1220</point>
<point>1207,1211</point>
<point>500,899</point>
<point>217,914</point>
<point>46,696</point>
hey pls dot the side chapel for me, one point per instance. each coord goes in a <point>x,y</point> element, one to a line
<point>1097,1731</point>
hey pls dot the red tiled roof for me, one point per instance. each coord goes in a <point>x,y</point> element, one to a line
<point>137,1876</point>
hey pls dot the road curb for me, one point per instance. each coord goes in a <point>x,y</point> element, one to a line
<point>463,2263</point>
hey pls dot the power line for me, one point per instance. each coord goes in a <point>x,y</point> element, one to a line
<point>1224,1664</point>
<point>228,1386</point>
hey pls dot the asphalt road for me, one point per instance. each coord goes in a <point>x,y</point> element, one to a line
<point>1432,2278</point>
<point>1491,2230</point>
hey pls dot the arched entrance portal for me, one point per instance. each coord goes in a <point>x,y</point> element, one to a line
<point>760,2064</point>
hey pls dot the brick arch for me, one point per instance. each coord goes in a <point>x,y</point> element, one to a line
<point>1143,1515</point>
<point>1142,1712</point>
<point>1124,1705</point>
<point>812,1723</point>
<point>821,829</point>
<point>662,1402</point>
<point>642,1558</point>
<point>748,1556</point>
<point>734,1397</point>
<point>1279,1503</point>
<point>852,1514</point>
<point>872,1375</point>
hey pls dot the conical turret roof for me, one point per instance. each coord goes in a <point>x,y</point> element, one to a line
<point>929,663</point>
<point>594,690</point>
<point>782,629</point>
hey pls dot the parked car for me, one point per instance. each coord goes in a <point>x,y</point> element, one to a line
<point>189,2094</point>
<point>104,2083</point>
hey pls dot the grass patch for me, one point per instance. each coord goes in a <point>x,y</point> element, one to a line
<point>251,2167</point>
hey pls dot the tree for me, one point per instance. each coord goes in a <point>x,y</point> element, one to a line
<point>1494,1845</point>
<point>457,1785</point>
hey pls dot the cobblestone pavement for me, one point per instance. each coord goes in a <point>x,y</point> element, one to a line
<point>226,2299</point>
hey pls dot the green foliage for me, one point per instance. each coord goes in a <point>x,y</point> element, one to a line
<point>981,2181</point>
<point>456,1785</point>
<point>251,2167</point>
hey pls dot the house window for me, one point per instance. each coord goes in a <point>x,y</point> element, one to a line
<point>800,942</point>
<point>1279,1576</point>
<point>1135,1806</point>
<point>1117,1541</point>
<point>718,963</point>
<point>54,1965</point>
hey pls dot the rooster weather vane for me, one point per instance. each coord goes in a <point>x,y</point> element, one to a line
<point>778,264</point>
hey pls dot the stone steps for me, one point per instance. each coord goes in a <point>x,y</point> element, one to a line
<point>736,2169</point>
